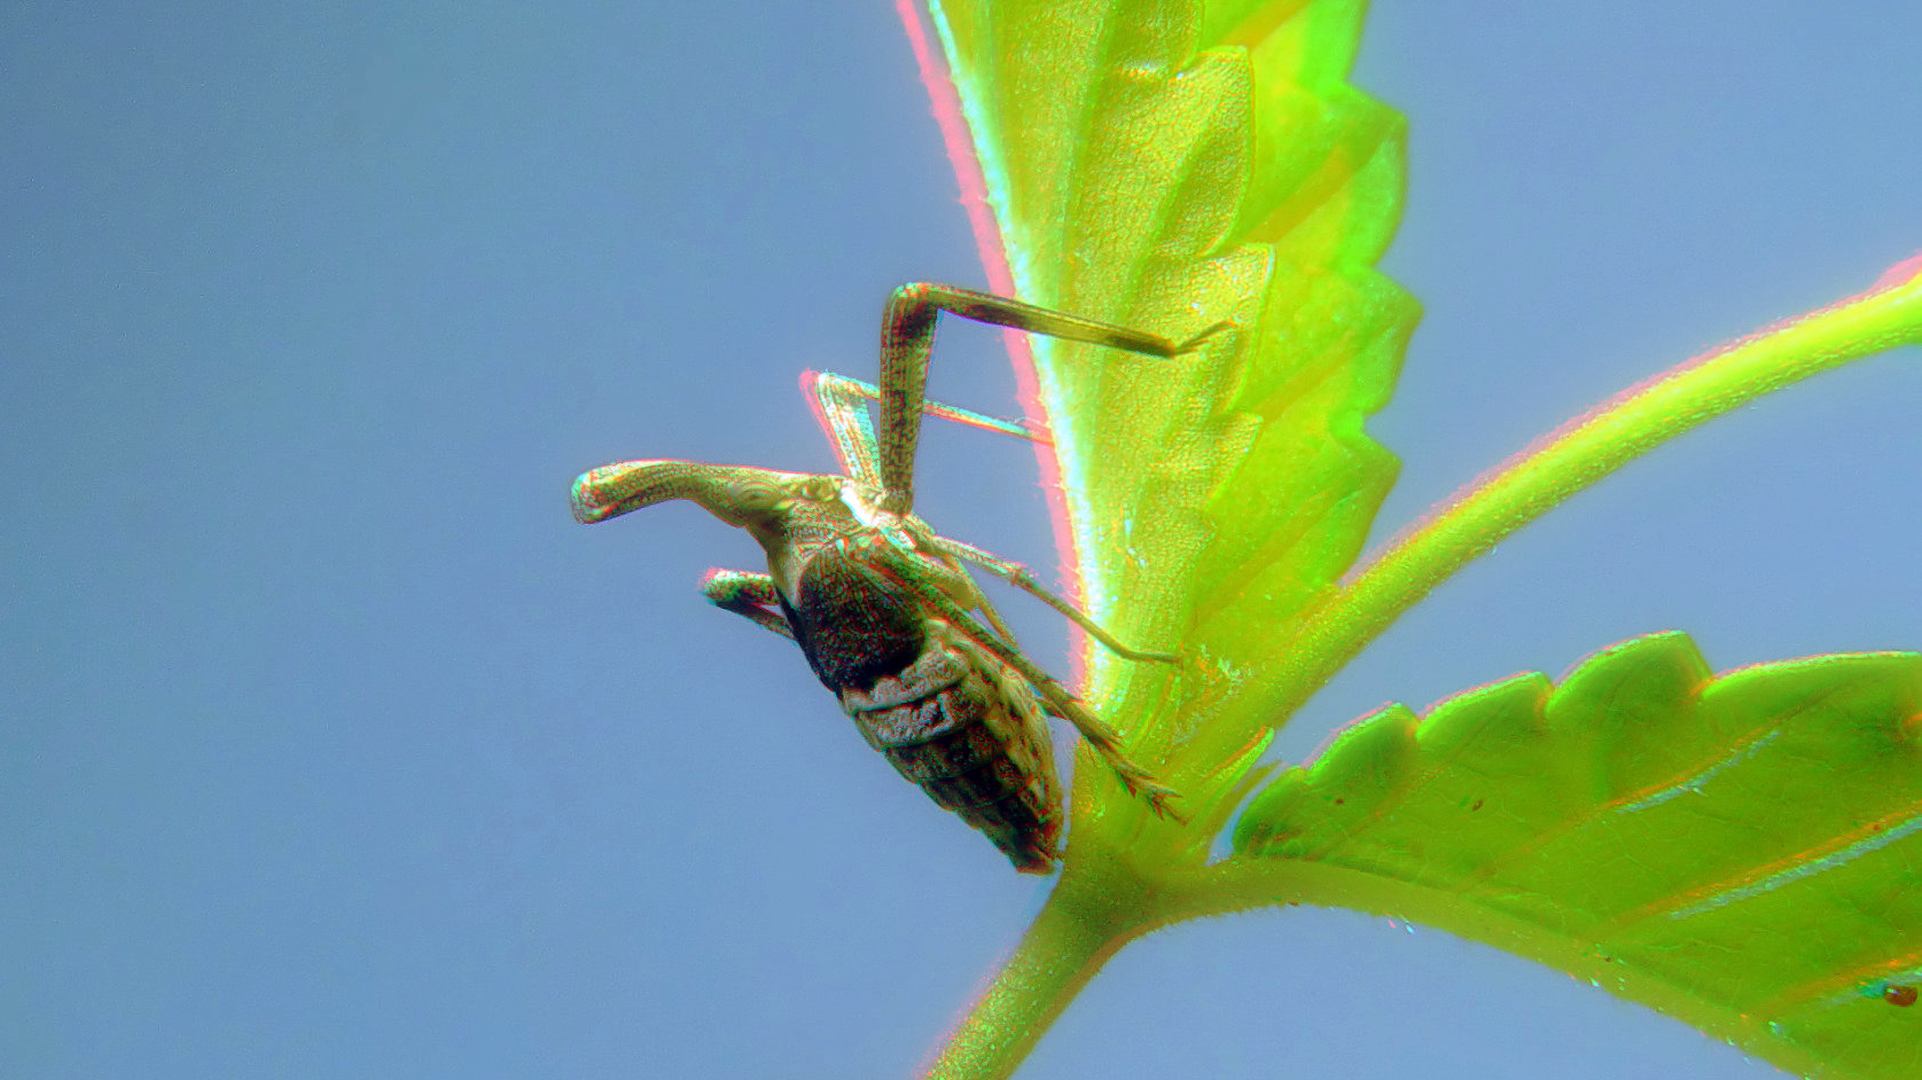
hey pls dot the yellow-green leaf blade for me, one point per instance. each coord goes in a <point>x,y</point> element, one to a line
<point>1744,851</point>
<point>1165,166</point>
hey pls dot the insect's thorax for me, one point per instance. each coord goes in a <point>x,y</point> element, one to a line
<point>802,529</point>
<point>846,580</point>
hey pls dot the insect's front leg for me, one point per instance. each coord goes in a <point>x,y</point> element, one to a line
<point>907,341</point>
<point>841,405</point>
<point>749,595</point>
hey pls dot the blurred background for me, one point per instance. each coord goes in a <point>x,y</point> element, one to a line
<point>330,746</point>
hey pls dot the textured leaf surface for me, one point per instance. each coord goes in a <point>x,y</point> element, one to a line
<point>1165,165</point>
<point>1744,851</point>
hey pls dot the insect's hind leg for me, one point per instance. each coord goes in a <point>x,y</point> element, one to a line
<point>749,595</point>
<point>1017,575</point>
<point>1100,737</point>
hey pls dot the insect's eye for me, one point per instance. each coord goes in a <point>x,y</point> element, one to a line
<point>757,496</point>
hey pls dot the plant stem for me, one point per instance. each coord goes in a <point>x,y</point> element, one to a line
<point>1080,926</point>
<point>1584,451</point>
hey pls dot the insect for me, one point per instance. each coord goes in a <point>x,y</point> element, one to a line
<point>883,607</point>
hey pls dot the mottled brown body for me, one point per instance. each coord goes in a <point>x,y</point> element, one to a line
<point>945,724</point>
<point>947,714</point>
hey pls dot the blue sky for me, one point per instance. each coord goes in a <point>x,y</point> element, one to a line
<point>333,747</point>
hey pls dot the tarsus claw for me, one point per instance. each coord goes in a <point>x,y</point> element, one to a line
<point>1196,342</point>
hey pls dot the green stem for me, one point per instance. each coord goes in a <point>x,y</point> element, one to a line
<point>1082,924</point>
<point>1583,451</point>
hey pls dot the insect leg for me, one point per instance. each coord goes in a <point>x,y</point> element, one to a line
<point>841,406</point>
<point>994,618</point>
<point>1102,738</point>
<point>907,339</point>
<point>1017,575</point>
<point>747,594</point>
<point>934,572</point>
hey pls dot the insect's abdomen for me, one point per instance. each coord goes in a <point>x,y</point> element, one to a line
<point>945,725</point>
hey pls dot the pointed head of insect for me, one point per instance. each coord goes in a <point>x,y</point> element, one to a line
<point>754,499</point>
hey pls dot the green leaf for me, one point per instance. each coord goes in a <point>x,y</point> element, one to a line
<point>1744,852</point>
<point>1164,166</point>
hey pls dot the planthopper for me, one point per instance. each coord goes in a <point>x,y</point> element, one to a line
<point>884,608</point>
